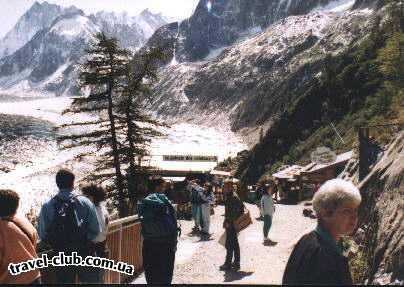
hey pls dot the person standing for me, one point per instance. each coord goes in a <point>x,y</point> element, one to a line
<point>207,200</point>
<point>160,232</point>
<point>68,223</point>
<point>317,258</point>
<point>18,239</point>
<point>268,209</point>
<point>196,202</point>
<point>260,192</point>
<point>97,195</point>
<point>234,208</point>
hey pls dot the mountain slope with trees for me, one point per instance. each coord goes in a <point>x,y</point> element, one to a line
<point>360,87</point>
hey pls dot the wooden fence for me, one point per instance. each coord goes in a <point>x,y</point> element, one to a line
<point>124,242</point>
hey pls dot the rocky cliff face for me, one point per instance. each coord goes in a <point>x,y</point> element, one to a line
<point>256,79</point>
<point>220,23</point>
<point>382,215</point>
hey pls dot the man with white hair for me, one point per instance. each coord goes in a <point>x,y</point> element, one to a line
<point>317,257</point>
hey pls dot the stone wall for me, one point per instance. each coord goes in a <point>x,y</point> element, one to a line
<point>382,216</point>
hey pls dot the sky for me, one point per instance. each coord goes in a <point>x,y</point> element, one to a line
<point>12,10</point>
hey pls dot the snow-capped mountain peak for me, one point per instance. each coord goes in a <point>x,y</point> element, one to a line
<point>75,26</point>
<point>38,17</point>
<point>44,54</point>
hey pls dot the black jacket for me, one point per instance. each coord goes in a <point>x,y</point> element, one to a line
<point>233,209</point>
<point>314,262</point>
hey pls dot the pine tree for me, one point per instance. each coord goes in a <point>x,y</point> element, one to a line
<point>139,128</point>
<point>102,73</point>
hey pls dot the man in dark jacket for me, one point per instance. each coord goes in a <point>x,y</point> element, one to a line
<point>317,258</point>
<point>234,208</point>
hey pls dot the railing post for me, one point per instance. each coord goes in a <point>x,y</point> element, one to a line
<point>363,154</point>
<point>120,249</point>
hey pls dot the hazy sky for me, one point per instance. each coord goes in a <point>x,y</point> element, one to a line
<point>11,10</point>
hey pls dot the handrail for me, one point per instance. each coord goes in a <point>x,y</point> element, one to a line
<point>122,221</point>
<point>383,125</point>
<point>124,241</point>
<point>111,225</point>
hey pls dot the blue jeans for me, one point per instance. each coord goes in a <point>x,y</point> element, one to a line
<point>267,224</point>
<point>232,246</point>
<point>197,214</point>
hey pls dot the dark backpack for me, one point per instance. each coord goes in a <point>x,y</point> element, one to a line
<point>196,195</point>
<point>158,218</point>
<point>67,232</point>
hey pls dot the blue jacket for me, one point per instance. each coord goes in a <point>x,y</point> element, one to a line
<point>196,194</point>
<point>85,212</point>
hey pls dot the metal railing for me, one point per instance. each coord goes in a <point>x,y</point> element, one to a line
<point>124,242</point>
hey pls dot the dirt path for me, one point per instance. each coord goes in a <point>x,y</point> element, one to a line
<point>198,262</point>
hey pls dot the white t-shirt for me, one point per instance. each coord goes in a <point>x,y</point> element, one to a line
<point>102,216</point>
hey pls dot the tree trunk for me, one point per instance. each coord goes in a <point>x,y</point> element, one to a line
<point>119,178</point>
<point>131,156</point>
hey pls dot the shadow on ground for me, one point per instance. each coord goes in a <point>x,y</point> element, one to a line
<point>193,234</point>
<point>270,243</point>
<point>204,239</point>
<point>230,276</point>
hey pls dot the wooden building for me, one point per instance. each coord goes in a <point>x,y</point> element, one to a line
<point>294,181</point>
<point>288,182</point>
<point>320,173</point>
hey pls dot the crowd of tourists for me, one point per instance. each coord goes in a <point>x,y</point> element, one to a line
<point>69,222</point>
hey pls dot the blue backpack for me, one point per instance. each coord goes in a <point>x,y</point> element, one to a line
<point>158,218</point>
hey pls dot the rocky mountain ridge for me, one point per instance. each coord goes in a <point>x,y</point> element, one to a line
<point>45,60</point>
<point>38,17</point>
<point>251,82</point>
<point>216,24</point>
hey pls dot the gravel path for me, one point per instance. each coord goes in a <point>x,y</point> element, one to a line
<point>197,262</point>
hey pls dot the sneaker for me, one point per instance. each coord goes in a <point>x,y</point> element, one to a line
<point>225,267</point>
<point>235,266</point>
